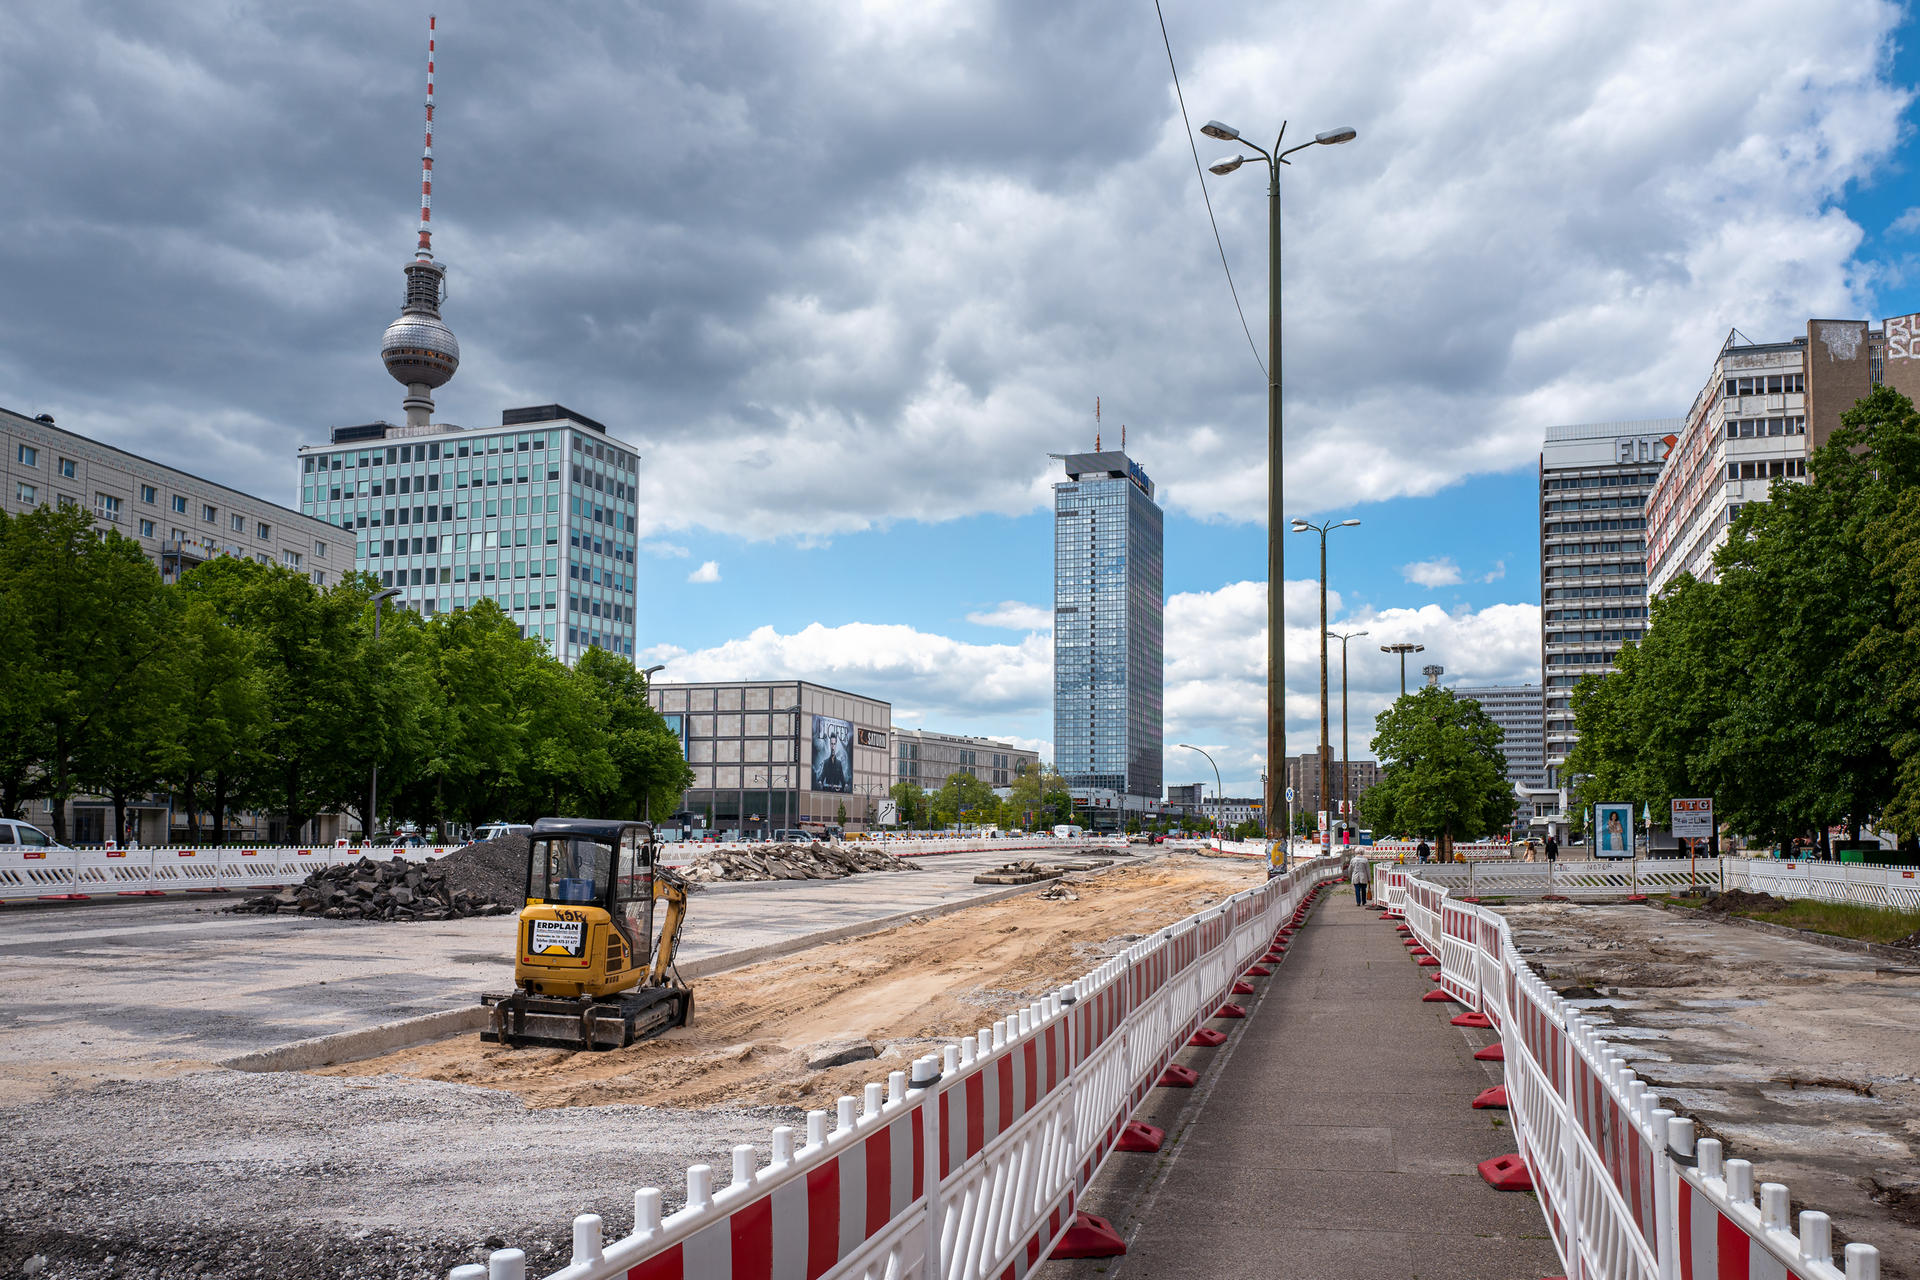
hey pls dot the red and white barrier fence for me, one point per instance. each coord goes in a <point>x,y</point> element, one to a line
<point>969,1166</point>
<point>81,875</point>
<point>1897,888</point>
<point>1626,1191</point>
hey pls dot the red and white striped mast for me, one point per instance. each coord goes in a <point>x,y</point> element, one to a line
<point>419,350</point>
<point>425,250</point>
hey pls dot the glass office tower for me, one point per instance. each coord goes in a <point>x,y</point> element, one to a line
<point>1108,632</point>
<point>540,514</point>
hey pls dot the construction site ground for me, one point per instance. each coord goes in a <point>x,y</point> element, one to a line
<point>123,1151</point>
<point>1798,1057</point>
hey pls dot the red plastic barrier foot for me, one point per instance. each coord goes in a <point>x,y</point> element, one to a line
<point>1435,976</point>
<point>1401,928</point>
<point>1495,1052</point>
<point>1435,997</point>
<point>1554,897</point>
<point>1243,988</point>
<point>1272,957</point>
<point>1179,1077</point>
<point>1470,900</point>
<point>1230,1010</point>
<point>63,897</point>
<point>1490,1099</point>
<point>1428,962</point>
<point>1259,971</point>
<point>1636,897</point>
<point>1140,1137</point>
<point>1473,1018</point>
<point>1090,1237</point>
<point>1207,1038</point>
<point>1507,1173</point>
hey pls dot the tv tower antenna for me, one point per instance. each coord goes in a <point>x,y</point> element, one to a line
<point>419,350</point>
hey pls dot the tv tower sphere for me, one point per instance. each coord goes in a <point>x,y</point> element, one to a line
<point>418,349</point>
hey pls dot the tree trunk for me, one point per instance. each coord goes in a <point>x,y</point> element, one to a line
<point>1826,843</point>
<point>219,807</point>
<point>119,815</point>
<point>190,788</point>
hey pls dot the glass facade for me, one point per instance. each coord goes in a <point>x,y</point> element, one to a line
<point>1109,628</point>
<point>540,517</point>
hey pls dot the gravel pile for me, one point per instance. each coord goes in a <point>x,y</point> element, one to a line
<point>492,869</point>
<point>792,862</point>
<point>367,890</point>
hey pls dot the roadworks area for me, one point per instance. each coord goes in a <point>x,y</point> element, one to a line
<point>1799,1057</point>
<point>409,1164</point>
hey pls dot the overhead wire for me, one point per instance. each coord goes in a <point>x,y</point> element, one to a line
<point>1200,173</point>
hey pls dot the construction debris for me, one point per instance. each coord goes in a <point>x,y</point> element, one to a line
<point>817,861</point>
<point>1058,893</point>
<point>1027,871</point>
<point>367,890</point>
<point>838,1053</point>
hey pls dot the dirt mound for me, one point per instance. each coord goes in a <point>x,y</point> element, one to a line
<point>493,869</point>
<point>813,861</point>
<point>367,890</point>
<point>1733,900</point>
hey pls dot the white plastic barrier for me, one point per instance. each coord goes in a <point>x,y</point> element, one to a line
<point>1589,881</point>
<point>1894,887</point>
<point>1615,1172</point>
<point>971,1166</point>
<point>83,875</point>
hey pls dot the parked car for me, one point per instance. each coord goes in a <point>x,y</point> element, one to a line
<point>24,835</point>
<point>494,830</point>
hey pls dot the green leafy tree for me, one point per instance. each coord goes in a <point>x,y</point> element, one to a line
<point>963,797</point>
<point>217,763</point>
<point>650,766</point>
<point>1443,772</point>
<point>911,802</point>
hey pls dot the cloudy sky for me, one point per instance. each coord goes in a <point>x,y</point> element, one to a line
<point>847,272</point>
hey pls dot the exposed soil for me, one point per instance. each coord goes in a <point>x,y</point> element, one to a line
<point>905,990</point>
<point>1797,1057</point>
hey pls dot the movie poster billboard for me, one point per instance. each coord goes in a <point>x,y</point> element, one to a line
<point>832,755</point>
<point>1613,830</point>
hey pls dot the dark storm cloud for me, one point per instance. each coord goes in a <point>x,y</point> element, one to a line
<point>857,262</point>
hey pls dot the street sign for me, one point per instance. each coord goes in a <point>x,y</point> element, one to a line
<point>1289,795</point>
<point>889,815</point>
<point>1693,819</point>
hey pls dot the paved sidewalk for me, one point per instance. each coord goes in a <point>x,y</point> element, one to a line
<point>1332,1136</point>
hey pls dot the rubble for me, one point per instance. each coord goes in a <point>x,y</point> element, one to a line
<point>817,861</point>
<point>367,890</point>
<point>838,1053</point>
<point>1027,871</point>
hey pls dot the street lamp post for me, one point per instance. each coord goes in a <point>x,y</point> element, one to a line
<point>1403,649</point>
<point>373,790</point>
<point>1219,797</point>
<point>1346,756</point>
<point>1276,555</point>
<point>1326,746</point>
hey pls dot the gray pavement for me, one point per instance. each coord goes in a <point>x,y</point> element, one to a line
<point>119,989</point>
<point>1331,1136</point>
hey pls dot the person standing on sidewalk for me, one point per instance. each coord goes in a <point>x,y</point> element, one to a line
<point>1360,867</point>
<point>1553,848</point>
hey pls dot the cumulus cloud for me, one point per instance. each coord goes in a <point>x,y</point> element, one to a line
<point>665,550</point>
<point>709,571</point>
<point>1551,214</point>
<point>1906,223</point>
<point>1014,616</point>
<point>1496,573</point>
<point>1442,572</point>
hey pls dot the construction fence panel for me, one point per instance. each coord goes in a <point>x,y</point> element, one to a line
<point>1896,888</point>
<point>970,1165</point>
<point>1613,1169</point>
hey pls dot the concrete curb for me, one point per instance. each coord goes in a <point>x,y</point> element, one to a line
<point>1878,951</point>
<point>369,1042</point>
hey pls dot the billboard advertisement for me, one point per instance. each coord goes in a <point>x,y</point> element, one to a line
<point>1693,819</point>
<point>1613,830</point>
<point>832,755</point>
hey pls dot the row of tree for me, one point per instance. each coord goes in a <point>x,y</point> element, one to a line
<point>245,687</point>
<point>1788,688</point>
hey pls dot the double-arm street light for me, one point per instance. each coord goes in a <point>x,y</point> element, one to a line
<point>1403,649</point>
<point>1346,755</point>
<point>1326,747</point>
<point>1220,800</point>
<point>1276,555</point>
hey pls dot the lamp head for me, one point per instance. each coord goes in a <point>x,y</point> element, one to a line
<point>1226,166</point>
<point>388,594</point>
<point>1347,524</point>
<point>1300,526</point>
<point>1224,132</point>
<point>1334,137</point>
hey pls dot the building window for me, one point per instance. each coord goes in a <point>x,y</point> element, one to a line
<point>320,549</point>
<point>149,494</point>
<point>292,558</point>
<point>146,528</point>
<point>319,578</point>
<point>64,502</point>
<point>263,531</point>
<point>108,506</point>
<point>26,493</point>
<point>29,456</point>
<point>237,522</point>
<point>208,514</point>
<point>67,468</point>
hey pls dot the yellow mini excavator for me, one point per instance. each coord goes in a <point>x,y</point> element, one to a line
<point>586,973</point>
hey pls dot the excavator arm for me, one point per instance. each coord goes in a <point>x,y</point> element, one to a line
<point>671,888</point>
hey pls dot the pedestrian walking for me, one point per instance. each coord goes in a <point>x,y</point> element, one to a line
<point>1553,849</point>
<point>1422,852</point>
<point>1360,869</point>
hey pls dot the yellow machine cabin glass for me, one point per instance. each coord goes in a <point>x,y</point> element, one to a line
<point>633,892</point>
<point>573,871</point>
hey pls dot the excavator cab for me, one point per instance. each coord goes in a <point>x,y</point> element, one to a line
<point>587,970</point>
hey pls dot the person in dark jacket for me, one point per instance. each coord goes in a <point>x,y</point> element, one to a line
<point>1553,849</point>
<point>1422,852</point>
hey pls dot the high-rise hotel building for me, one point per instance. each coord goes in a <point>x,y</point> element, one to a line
<point>538,514</point>
<point>1108,632</point>
<point>1594,482</point>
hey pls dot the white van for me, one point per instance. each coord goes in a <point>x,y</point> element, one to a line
<point>1067,832</point>
<point>494,830</point>
<point>24,835</point>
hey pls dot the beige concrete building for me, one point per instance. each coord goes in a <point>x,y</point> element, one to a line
<point>927,759</point>
<point>178,518</point>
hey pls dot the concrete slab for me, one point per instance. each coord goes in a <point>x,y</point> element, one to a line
<point>1331,1136</point>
